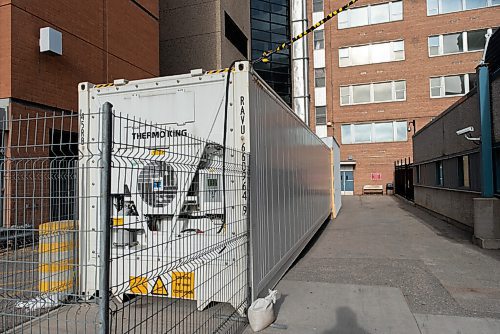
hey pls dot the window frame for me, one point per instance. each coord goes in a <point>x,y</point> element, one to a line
<point>316,78</point>
<point>443,87</point>
<point>465,43</point>
<point>345,17</point>
<point>463,174</point>
<point>372,93</point>
<point>437,9</point>
<point>352,132</point>
<point>322,6</point>
<point>322,40</point>
<point>439,174</point>
<point>316,116</point>
<point>393,49</point>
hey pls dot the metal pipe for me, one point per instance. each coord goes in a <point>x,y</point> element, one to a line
<point>300,61</point>
<point>105,221</point>
<point>483,88</point>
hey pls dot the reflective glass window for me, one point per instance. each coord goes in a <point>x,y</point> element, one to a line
<point>320,115</point>
<point>346,134</point>
<point>379,13</point>
<point>358,17</point>
<point>383,132</point>
<point>319,39</point>
<point>382,91</point>
<point>454,85</point>
<point>453,43</point>
<point>476,39</point>
<point>401,131</point>
<point>362,133</point>
<point>361,94</point>
<point>448,6</point>
<point>319,77</point>
<point>473,4</point>
<point>434,45</point>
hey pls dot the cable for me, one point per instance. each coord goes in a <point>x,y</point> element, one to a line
<point>224,146</point>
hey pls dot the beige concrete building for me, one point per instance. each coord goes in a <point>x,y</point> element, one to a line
<point>203,34</point>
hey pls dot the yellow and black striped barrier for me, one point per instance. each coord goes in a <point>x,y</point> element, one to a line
<point>265,56</point>
<point>104,85</point>
<point>57,256</point>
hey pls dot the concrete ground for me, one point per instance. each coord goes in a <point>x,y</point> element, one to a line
<point>385,266</point>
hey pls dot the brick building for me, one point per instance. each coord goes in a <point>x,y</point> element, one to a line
<point>384,69</point>
<point>96,41</point>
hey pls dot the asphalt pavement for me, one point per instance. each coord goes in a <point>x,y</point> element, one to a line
<point>385,266</point>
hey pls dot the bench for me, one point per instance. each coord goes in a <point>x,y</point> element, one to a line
<point>373,189</point>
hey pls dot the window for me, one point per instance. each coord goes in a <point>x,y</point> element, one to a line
<point>463,172</point>
<point>320,115</point>
<point>319,77</point>
<point>372,14</point>
<point>235,35</point>
<point>380,132</point>
<point>451,85</point>
<point>319,39</point>
<point>439,173</point>
<point>373,93</point>
<point>453,43</point>
<point>417,174</point>
<point>435,7</point>
<point>317,6</point>
<point>467,41</point>
<point>372,53</point>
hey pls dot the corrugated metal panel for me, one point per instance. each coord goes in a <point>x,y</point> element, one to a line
<point>289,186</point>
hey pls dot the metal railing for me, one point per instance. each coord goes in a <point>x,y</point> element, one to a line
<point>116,225</point>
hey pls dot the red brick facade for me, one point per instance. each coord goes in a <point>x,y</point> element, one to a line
<point>102,40</point>
<point>416,69</point>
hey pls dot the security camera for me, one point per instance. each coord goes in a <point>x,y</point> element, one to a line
<point>465,131</point>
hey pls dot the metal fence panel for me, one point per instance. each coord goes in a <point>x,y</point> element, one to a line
<point>176,258</point>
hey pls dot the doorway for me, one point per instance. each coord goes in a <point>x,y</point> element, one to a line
<point>347,180</point>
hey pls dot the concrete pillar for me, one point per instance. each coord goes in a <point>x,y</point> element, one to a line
<point>487,223</point>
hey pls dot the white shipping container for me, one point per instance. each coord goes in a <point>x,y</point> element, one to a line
<point>287,199</point>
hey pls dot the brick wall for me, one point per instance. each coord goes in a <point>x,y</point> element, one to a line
<point>102,41</point>
<point>417,68</point>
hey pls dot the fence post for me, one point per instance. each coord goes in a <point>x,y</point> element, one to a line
<point>105,221</point>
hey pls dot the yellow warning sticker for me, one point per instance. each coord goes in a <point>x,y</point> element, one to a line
<point>183,285</point>
<point>139,285</point>
<point>159,288</point>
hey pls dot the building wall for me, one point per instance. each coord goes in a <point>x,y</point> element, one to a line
<point>437,143</point>
<point>416,69</point>
<point>192,34</point>
<point>102,41</point>
<point>458,206</point>
<point>5,49</point>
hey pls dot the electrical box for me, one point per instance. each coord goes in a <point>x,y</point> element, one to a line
<point>50,40</point>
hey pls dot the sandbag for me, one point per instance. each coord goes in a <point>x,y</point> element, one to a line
<point>261,312</point>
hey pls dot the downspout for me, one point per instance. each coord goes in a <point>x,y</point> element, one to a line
<point>483,88</point>
<point>300,61</point>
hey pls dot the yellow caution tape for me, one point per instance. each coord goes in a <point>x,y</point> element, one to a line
<point>286,45</point>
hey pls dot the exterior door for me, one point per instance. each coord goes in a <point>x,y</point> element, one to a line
<point>347,180</point>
